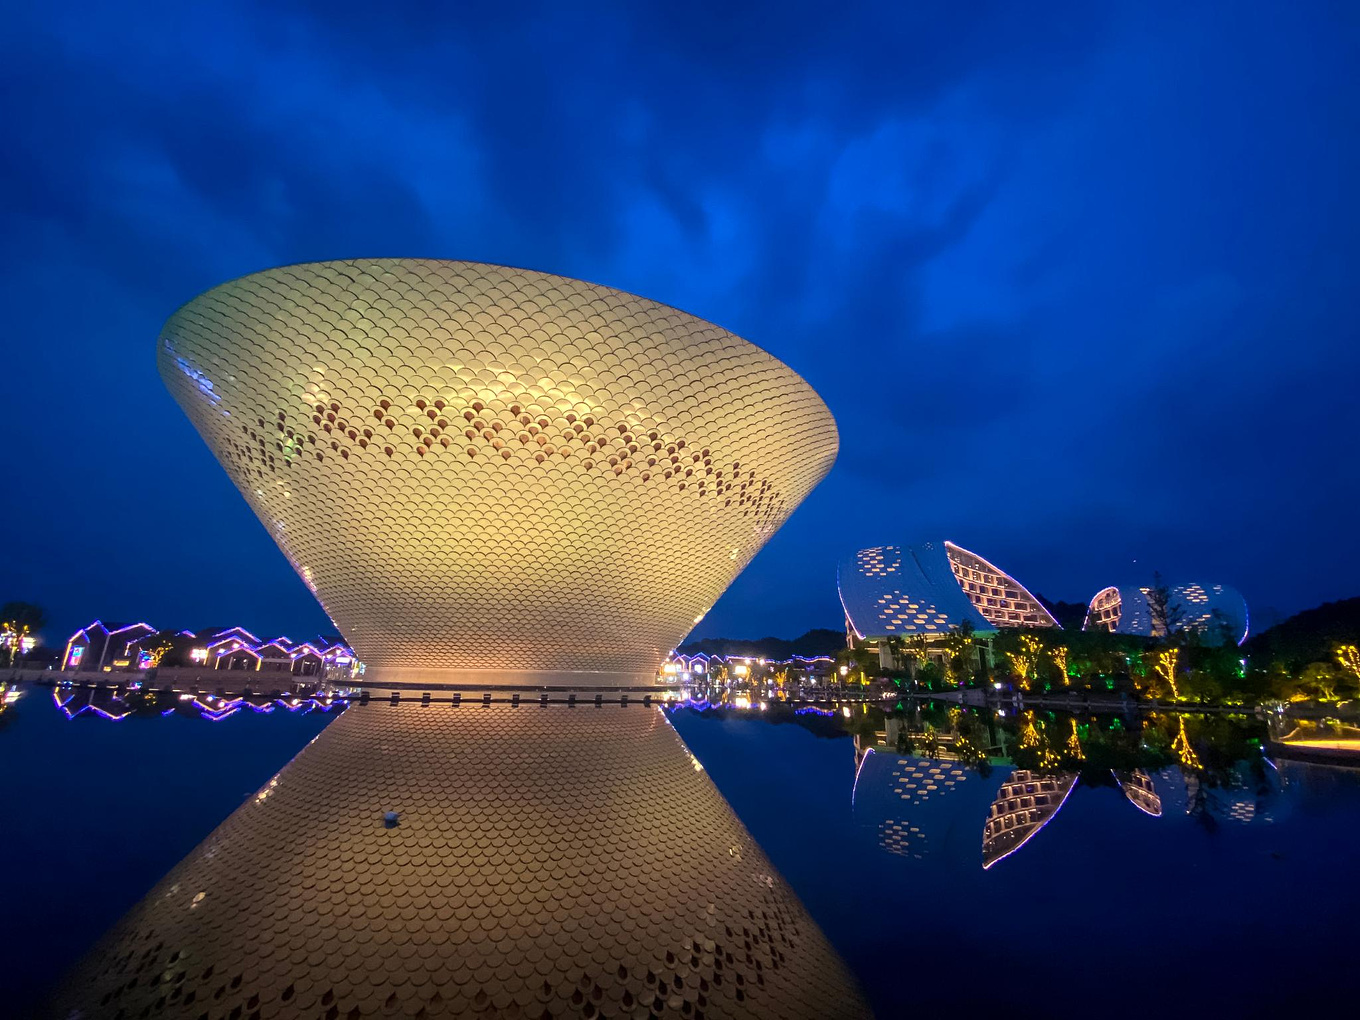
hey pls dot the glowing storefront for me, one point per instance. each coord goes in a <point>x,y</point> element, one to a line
<point>101,647</point>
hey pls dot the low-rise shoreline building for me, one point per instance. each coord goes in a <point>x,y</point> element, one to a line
<point>113,647</point>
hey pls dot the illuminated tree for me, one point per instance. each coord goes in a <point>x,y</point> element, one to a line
<point>919,649</point>
<point>1029,733</point>
<point>959,645</point>
<point>1167,660</point>
<point>1025,662</point>
<point>157,653</point>
<point>1186,753</point>
<point>1318,682</point>
<point>930,741</point>
<point>19,620</point>
<point>1059,656</point>
<point>1349,657</point>
<point>1074,744</point>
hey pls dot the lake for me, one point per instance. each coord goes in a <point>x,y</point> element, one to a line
<point>1227,888</point>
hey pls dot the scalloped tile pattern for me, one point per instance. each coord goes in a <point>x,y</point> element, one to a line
<point>564,863</point>
<point>478,467</point>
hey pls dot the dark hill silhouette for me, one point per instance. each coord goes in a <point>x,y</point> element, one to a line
<point>818,641</point>
<point>1309,636</point>
<point>1070,615</point>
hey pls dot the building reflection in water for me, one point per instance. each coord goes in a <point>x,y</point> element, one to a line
<point>1140,790</point>
<point>117,703</point>
<point>1024,804</point>
<point>914,803</point>
<point>464,860</point>
<point>919,804</point>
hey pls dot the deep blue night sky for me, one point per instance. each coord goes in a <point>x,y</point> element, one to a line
<point>1076,280</point>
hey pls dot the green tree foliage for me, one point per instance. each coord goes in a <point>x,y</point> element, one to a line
<point>931,676</point>
<point>1300,659</point>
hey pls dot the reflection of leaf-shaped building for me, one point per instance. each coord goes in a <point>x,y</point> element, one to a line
<point>1026,802</point>
<point>1140,790</point>
<point>918,806</point>
<point>1235,795</point>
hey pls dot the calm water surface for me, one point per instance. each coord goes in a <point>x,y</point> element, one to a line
<point>1245,907</point>
<point>96,811</point>
<point>1238,899</point>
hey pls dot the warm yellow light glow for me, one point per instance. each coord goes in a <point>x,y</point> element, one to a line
<point>1166,666</point>
<point>497,470</point>
<point>1074,743</point>
<point>1026,661</point>
<point>1349,657</point>
<point>1059,656</point>
<point>1029,734</point>
<point>1181,745</point>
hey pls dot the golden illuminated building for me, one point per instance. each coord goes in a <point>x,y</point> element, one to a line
<point>494,475</point>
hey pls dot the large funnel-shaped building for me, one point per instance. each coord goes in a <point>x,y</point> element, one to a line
<point>495,475</point>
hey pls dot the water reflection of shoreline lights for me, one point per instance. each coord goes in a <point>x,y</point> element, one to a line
<point>1231,781</point>
<point>113,704</point>
<point>1184,751</point>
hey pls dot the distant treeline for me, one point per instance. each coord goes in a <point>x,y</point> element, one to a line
<point>819,641</point>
